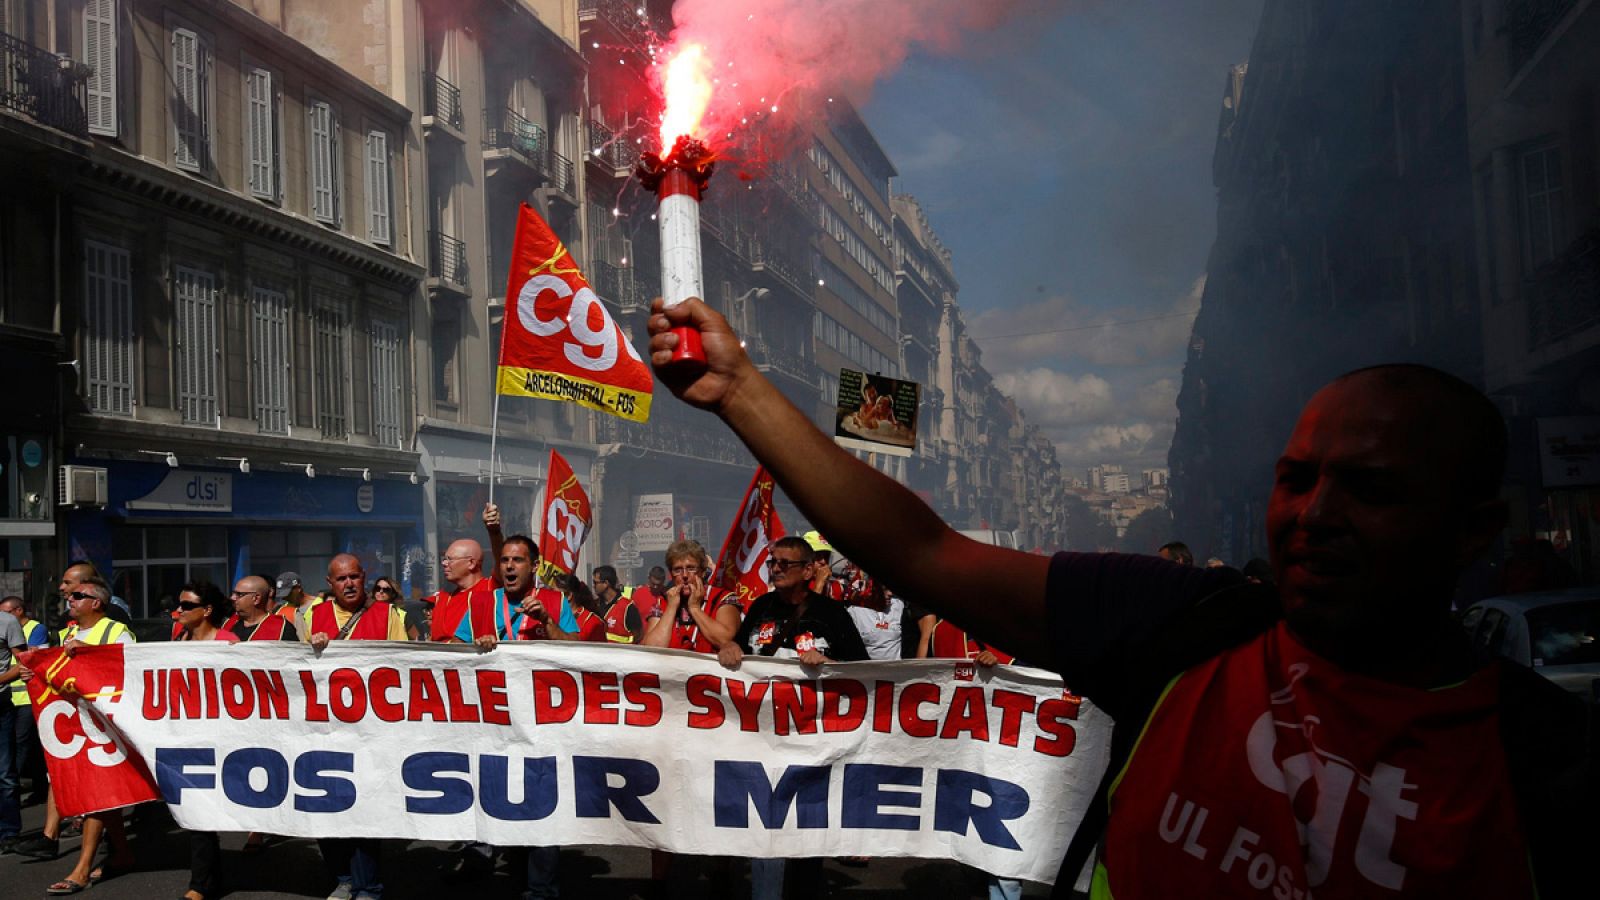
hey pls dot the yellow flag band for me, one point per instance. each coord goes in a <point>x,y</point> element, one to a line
<point>547,571</point>
<point>516,381</point>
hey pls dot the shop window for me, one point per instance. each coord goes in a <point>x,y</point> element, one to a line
<point>153,561</point>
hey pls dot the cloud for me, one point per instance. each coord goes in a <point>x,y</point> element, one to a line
<point>1054,399</point>
<point>935,151</point>
<point>1158,400</point>
<point>1061,330</point>
<point>1134,445</point>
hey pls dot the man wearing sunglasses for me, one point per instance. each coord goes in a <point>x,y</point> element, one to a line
<point>252,618</point>
<point>793,621</point>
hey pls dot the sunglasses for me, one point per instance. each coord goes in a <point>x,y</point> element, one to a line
<point>383,590</point>
<point>786,564</point>
<point>80,595</point>
<point>190,605</point>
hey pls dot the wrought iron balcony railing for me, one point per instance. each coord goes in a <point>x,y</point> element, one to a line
<point>441,100</point>
<point>1564,294</point>
<point>447,258</point>
<point>615,283</point>
<point>1529,22</point>
<point>665,434</point>
<point>559,170</point>
<point>47,88</point>
<point>510,130</point>
<point>610,150</point>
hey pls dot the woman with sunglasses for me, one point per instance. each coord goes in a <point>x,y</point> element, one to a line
<point>386,591</point>
<point>202,609</point>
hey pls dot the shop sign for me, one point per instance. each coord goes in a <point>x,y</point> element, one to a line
<point>1569,451</point>
<point>653,522</point>
<point>189,491</point>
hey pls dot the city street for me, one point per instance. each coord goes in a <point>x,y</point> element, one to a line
<point>293,868</point>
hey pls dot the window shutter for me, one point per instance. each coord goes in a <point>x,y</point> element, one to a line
<point>196,299</point>
<point>108,342</point>
<point>269,359</point>
<point>100,50</point>
<point>322,157</point>
<point>260,140</point>
<point>378,225</point>
<point>186,96</point>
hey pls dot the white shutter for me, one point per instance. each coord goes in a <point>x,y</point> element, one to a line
<point>186,97</point>
<point>261,139</point>
<point>385,367</point>
<point>378,226</point>
<point>322,162</point>
<point>100,50</point>
<point>269,359</point>
<point>108,328</point>
<point>194,294</point>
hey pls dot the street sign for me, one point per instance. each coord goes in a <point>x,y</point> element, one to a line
<point>629,542</point>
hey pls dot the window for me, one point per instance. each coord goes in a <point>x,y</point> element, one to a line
<point>261,132</point>
<point>195,296</point>
<point>150,563</point>
<point>446,347</point>
<point>269,359</point>
<point>329,323</point>
<point>108,328</point>
<point>1543,209</point>
<point>191,116</point>
<point>100,51</point>
<point>378,181</point>
<point>386,382</point>
<point>324,163</point>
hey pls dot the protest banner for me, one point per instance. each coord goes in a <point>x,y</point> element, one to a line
<point>742,564</point>
<point>566,519</point>
<point>876,414</point>
<point>547,743</point>
<point>558,341</point>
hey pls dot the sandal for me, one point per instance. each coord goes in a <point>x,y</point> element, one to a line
<point>63,887</point>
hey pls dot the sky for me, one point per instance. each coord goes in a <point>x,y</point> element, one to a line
<point>1065,160</point>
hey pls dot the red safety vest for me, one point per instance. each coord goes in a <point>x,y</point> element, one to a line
<point>950,642</point>
<point>616,619</point>
<point>480,612</point>
<point>272,627</point>
<point>373,626</point>
<point>688,637</point>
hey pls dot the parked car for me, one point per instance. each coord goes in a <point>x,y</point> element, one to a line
<point>1555,633</point>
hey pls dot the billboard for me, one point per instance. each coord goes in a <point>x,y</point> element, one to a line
<point>876,414</point>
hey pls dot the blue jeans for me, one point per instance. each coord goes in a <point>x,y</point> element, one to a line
<point>354,861</point>
<point>1004,888</point>
<point>10,784</point>
<point>542,873</point>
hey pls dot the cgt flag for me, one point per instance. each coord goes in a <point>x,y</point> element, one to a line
<point>558,341</point>
<point>566,519</point>
<point>742,564</point>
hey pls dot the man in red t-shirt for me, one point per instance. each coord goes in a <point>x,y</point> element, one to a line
<point>1333,735</point>
<point>463,567</point>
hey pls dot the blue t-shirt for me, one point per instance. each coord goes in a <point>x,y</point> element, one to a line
<point>508,620</point>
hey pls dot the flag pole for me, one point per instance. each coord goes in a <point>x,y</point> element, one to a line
<point>494,435</point>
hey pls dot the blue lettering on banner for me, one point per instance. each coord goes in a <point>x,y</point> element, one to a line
<point>739,785</point>
<point>539,792</point>
<point>425,772</point>
<point>953,808</point>
<point>594,796</point>
<point>311,772</point>
<point>865,797</point>
<point>172,771</point>
<point>237,768</point>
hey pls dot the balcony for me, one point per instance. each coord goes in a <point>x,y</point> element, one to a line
<point>615,283</point>
<point>790,364</point>
<point>610,152</point>
<point>447,264</point>
<point>665,434</point>
<point>512,138</point>
<point>441,106</point>
<point>785,267</point>
<point>1563,295</point>
<point>622,16</point>
<point>44,87</point>
<point>1529,23</point>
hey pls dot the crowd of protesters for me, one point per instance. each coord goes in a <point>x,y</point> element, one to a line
<point>820,610</point>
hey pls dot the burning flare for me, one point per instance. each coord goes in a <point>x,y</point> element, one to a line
<point>687,89</point>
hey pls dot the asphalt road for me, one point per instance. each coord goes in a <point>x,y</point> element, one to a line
<point>292,868</point>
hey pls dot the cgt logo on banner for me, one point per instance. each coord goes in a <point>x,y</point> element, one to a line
<point>558,341</point>
<point>73,700</point>
<point>742,564</point>
<point>555,743</point>
<point>566,519</point>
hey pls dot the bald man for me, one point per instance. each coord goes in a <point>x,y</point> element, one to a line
<point>333,621</point>
<point>252,613</point>
<point>463,567</point>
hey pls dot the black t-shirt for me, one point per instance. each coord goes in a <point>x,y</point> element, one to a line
<point>772,624</point>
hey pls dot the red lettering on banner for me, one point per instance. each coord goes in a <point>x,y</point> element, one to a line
<point>272,696</point>
<point>315,710</point>
<point>1013,706</point>
<point>184,689</point>
<point>969,713</point>
<point>213,696</point>
<point>883,707</point>
<point>492,696</point>
<point>600,698</point>
<point>347,695</point>
<point>702,692</point>
<point>461,710</point>
<point>912,697</point>
<point>426,698</point>
<point>155,694</point>
<point>794,702</point>
<point>640,689</point>
<point>747,700</point>
<point>1053,720</point>
<point>547,709</point>
<point>236,695</point>
<point>379,684</point>
<point>844,705</point>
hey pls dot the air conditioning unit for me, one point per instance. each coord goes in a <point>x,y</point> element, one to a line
<point>81,486</point>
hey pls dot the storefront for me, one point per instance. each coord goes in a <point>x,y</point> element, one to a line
<point>164,526</point>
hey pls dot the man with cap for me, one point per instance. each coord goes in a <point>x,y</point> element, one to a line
<point>822,580</point>
<point>295,605</point>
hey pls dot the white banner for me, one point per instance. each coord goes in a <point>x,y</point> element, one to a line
<point>554,743</point>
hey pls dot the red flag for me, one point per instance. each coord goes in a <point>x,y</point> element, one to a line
<point>743,560</point>
<point>558,340</point>
<point>566,519</point>
<point>89,763</point>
